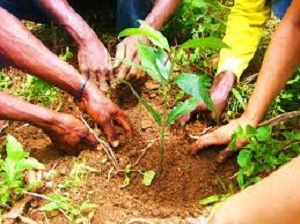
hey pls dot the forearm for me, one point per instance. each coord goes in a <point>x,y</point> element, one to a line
<point>281,60</point>
<point>276,200</point>
<point>12,108</point>
<point>65,15</point>
<point>161,12</point>
<point>19,47</point>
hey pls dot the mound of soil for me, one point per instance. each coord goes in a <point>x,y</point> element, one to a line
<point>173,195</point>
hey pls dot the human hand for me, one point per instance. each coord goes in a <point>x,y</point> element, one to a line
<point>95,60</point>
<point>127,50</point>
<point>219,91</point>
<point>104,112</point>
<point>222,136</point>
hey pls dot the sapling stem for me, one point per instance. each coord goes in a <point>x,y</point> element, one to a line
<point>163,126</point>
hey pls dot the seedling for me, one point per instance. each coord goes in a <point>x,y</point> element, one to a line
<point>77,175</point>
<point>264,153</point>
<point>12,172</point>
<point>65,205</point>
<point>148,176</point>
<point>66,55</point>
<point>156,60</point>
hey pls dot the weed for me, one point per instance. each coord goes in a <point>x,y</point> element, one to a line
<point>12,172</point>
<point>5,80</point>
<point>66,55</point>
<point>264,153</point>
<point>77,175</point>
<point>66,206</point>
<point>37,91</point>
<point>148,176</point>
<point>156,60</point>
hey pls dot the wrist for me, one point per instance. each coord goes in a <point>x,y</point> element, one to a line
<point>251,118</point>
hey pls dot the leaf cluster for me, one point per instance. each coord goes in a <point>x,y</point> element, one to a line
<point>12,171</point>
<point>263,153</point>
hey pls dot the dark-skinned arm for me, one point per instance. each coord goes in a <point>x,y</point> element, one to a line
<point>19,47</point>
<point>93,57</point>
<point>159,15</point>
<point>281,60</point>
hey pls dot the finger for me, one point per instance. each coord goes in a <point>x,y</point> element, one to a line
<point>215,138</point>
<point>90,139</point>
<point>181,122</point>
<point>102,77</point>
<point>125,123</point>
<point>141,74</point>
<point>124,68</point>
<point>133,72</point>
<point>110,133</point>
<point>121,49</point>
<point>226,153</point>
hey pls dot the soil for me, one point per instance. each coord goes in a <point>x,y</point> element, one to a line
<point>173,195</point>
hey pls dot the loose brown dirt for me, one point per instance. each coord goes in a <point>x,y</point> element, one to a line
<point>171,198</point>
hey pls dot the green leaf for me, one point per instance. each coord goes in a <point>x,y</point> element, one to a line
<point>149,58</point>
<point>148,177</point>
<point>52,206</point>
<point>264,133</point>
<point>182,109</point>
<point>209,200</point>
<point>32,163</point>
<point>127,168</point>
<point>126,182</point>
<point>239,97</point>
<point>208,42</point>
<point>163,64</point>
<point>86,205</point>
<point>154,36</point>
<point>14,149</point>
<point>149,108</point>
<point>197,86</point>
<point>240,179</point>
<point>244,158</point>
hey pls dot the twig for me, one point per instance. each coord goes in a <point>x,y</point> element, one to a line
<point>144,151</point>
<point>107,149</point>
<point>280,118</point>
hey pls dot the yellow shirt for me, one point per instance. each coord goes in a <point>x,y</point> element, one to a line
<point>243,34</point>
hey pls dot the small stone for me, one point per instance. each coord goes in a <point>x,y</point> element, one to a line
<point>127,204</point>
<point>145,124</point>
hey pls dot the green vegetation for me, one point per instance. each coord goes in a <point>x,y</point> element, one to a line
<point>148,176</point>
<point>12,173</point>
<point>264,153</point>
<point>5,80</point>
<point>65,205</point>
<point>37,91</point>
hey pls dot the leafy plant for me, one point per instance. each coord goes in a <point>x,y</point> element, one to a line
<point>5,80</point>
<point>157,61</point>
<point>77,175</point>
<point>264,152</point>
<point>148,176</point>
<point>65,205</point>
<point>37,91</point>
<point>12,172</point>
<point>66,55</point>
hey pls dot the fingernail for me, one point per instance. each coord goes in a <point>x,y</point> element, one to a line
<point>115,144</point>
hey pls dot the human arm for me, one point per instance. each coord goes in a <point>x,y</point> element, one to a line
<point>162,10</point>
<point>19,47</point>
<point>275,200</point>
<point>281,60</point>
<point>93,57</point>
